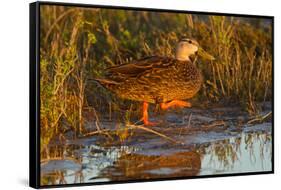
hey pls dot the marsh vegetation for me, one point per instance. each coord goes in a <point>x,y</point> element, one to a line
<point>77,44</point>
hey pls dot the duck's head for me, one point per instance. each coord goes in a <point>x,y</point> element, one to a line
<point>187,47</point>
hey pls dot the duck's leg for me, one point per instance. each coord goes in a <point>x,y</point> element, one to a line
<point>145,115</point>
<point>175,103</point>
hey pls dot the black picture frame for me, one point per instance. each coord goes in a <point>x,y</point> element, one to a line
<point>34,91</point>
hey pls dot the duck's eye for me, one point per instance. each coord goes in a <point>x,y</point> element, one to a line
<point>189,41</point>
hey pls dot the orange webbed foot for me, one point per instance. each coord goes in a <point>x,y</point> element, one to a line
<point>145,120</point>
<point>149,123</point>
<point>175,103</point>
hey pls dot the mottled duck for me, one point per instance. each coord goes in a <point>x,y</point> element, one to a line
<point>156,79</point>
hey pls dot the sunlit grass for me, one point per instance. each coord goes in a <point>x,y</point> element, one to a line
<point>78,44</point>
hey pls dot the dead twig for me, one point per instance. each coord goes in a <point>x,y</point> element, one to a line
<point>259,118</point>
<point>97,120</point>
<point>154,132</point>
<point>103,131</point>
<point>214,125</point>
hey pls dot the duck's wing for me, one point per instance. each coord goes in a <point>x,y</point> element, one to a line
<point>138,67</point>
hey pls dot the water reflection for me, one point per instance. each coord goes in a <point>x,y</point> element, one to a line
<point>242,152</point>
<point>248,153</point>
<point>137,166</point>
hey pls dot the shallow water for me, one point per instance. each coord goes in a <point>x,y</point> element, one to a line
<point>147,156</point>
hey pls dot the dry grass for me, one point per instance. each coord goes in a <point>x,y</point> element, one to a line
<point>77,44</point>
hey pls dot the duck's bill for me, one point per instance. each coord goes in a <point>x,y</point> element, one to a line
<point>204,54</point>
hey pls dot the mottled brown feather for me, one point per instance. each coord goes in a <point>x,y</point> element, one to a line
<point>154,79</point>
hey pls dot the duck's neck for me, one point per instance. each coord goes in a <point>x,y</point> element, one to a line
<point>182,58</point>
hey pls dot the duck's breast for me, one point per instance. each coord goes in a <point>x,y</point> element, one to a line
<point>186,82</point>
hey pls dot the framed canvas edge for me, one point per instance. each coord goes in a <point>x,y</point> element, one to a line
<point>34,96</point>
<point>151,9</point>
<point>34,93</point>
<point>158,179</point>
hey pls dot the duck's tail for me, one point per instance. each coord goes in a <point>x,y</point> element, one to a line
<point>105,82</point>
